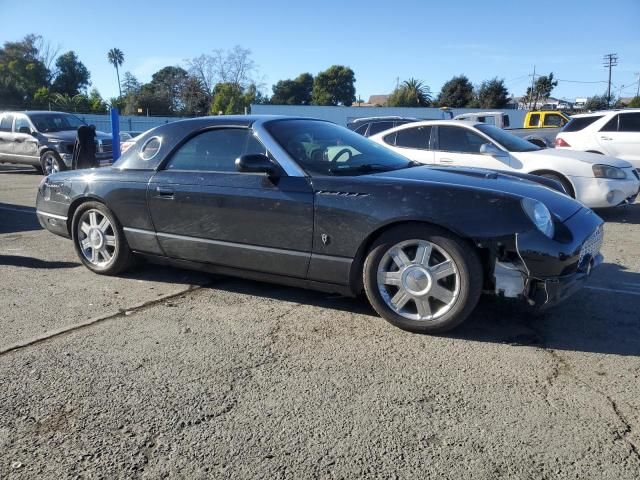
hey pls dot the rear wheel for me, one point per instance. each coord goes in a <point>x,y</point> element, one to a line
<point>50,162</point>
<point>422,279</point>
<point>99,240</point>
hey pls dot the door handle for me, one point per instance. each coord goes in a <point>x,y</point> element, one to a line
<point>606,138</point>
<point>446,160</point>
<point>19,140</point>
<point>164,192</point>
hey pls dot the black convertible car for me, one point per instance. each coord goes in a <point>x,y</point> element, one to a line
<point>308,203</point>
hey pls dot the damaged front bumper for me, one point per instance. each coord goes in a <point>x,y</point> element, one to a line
<point>544,272</point>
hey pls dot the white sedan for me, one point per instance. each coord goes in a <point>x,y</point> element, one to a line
<point>598,181</point>
<point>612,132</point>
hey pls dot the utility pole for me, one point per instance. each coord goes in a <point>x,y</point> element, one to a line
<point>610,60</point>
<point>638,87</point>
<point>533,79</point>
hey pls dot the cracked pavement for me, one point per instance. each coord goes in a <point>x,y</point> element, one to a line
<point>166,373</point>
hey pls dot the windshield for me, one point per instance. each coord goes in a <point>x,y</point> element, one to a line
<point>323,148</point>
<point>506,139</point>
<point>55,122</point>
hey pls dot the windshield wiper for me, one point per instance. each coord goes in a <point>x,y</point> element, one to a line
<point>364,168</point>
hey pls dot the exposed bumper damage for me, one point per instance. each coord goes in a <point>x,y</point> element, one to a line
<point>522,268</point>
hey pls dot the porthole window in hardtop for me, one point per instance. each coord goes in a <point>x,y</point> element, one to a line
<point>150,148</point>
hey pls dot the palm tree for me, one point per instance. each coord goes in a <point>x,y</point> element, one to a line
<point>417,90</point>
<point>116,58</point>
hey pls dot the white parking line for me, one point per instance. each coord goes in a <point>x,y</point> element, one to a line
<point>613,290</point>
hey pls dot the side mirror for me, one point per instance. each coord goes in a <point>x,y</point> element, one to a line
<point>492,150</point>
<point>256,163</point>
<point>26,130</point>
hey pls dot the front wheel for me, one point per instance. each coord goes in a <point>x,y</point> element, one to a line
<point>99,239</point>
<point>50,162</point>
<point>422,279</point>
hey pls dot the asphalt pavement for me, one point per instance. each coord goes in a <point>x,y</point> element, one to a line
<point>166,373</point>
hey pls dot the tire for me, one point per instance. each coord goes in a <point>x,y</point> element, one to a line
<point>50,162</point>
<point>561,180</point>
<point>101,246</point>
<point>435,299</point>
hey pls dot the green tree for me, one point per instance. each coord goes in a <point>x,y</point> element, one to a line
<point>456,93</point>
<point>42,97</point>
<point>96,103</point>
<point>168,84</point>
<point>116,58</point>
<point>71,77</point>
<point>542,89</point>
<point>227,98</point>
<point>68,103</point>
<point>195,98</point>
<point>22,73</point>
<point>293,92</point>
<point>634,103</point>
<point>493,94</point>
<point>411,93</point>
<point>597,102</point>
<point>334,86</point>
<point>130,84</point>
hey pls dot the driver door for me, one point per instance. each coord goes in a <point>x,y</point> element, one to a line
<point>460,147</point>
<point>204,210</point>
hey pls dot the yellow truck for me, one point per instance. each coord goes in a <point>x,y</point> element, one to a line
<point>545,119</point>
<point>540,126</point>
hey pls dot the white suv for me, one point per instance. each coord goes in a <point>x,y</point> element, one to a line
<point>614,132</point>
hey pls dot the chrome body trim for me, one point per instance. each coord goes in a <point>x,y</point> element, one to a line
<point>51,215</point>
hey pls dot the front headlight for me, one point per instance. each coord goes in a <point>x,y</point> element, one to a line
<point>539,215</point>
<point>607,171</point>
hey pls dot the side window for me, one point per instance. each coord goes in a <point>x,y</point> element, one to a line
<point>455,139</point>
<point>534,118</point>
<point>362,129</point>
<point>21,122</point>
<point>377,127</point>
<point>611,125</point>
<point>552,120</point>
<point>390,139</point>
<point>215,150</point>
<point>505,121</point>
<point>630,122</point>
<point>6,122</point>
<point>416,137</point>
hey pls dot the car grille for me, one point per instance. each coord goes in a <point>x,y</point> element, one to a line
<point>592,246</point>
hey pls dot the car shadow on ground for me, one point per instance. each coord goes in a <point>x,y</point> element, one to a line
<point>590,321</point>
<point>21,169</point>
<point>629,214</point>
<point>17,218</point>
<point>31,262</point>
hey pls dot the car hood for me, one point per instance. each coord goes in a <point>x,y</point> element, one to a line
<point>558,203</point>
<point>70,135</point>
<point>586,157</point>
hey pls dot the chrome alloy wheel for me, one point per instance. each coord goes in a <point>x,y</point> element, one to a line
<point>50,163</point>
<point>418,280</point>
<point>96,238</point>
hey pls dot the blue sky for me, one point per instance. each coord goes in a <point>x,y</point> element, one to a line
<point>380,40</point>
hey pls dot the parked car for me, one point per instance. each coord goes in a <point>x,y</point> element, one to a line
<point>45,140</point>
<point>308,203</point>
<point>128,135</point>
<point>126,144</point>
<point>613,132</point>
<point>371,125</point>
<point>539,127</point>
<point>597,181</point>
